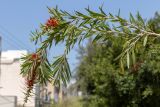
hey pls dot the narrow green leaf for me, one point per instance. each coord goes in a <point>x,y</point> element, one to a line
<point>55,71</point>
<point>82,15</point>
<point>101,9</point>
<point>98,37</point>
<point>132,20</point>
<point>121,66</point>
<point>128,60</point>
<point>111,15</point>
<point>68,30</point>
<point>119,12</point>
<point>133,56</point>
<point>84,22</point>
<point>145,40</point>
<point>53,12</point>
<point>94,14</point>
<point>140,20</point>
<point>67,67</point>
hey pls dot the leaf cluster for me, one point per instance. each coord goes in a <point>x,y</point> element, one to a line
<point>75,28</point>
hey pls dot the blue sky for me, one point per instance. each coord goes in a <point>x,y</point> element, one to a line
<point>19,17</point>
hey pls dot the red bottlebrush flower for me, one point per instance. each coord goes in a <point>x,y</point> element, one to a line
<point>34,56</point>
<point>136,66</point>
<point>31,79</point>
<point>52,22</point>
<point>29,83</point>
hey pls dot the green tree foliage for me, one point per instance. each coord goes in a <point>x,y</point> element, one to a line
<point>72,29</point>
<point>99,77</point>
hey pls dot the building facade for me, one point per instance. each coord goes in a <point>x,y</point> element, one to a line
<point>11,82</point>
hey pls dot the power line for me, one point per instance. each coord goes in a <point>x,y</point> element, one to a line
<point>9,43</point>
<point>13,41</point>
<point>9,33</point>
<point>16,40</point>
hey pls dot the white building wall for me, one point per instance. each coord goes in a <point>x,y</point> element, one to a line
<point>11,82</point>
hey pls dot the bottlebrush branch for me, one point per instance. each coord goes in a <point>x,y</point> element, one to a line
<point>63,27</point>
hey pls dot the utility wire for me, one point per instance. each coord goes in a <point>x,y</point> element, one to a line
<point>9,43</point>
<point>12,41</point>
<point>12,35</point>
<point>14,38</point>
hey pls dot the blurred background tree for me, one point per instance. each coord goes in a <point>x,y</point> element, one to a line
<point>102,82</point>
